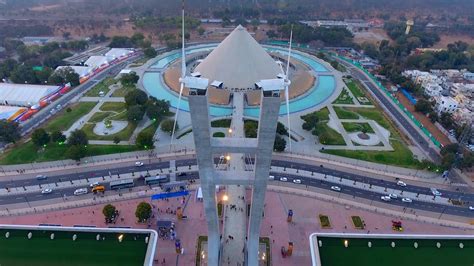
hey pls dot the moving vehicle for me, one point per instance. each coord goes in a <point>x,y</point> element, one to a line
<point>94,184</point>
<point>297,181</point>
<point>393,196</point>
<point>283,179</point>
<point>471,208</point>
<point>98,189</point>
<point>138,164</point>
<point>47,191</point>
<point>154,180</point>
<point>386,198</point>
<point>401,183</point>
<point>335,188</point>
<point>407,200</point>
<point>41,177</point>
<point>435,192</point>
<point>124,183</point>
<point>270,177</point>
<point>80,191</point>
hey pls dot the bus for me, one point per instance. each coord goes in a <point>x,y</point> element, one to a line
<point>124,183</point>
<point>154,180</point>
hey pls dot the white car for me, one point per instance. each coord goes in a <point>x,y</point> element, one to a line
<point>46,191</point>
<point>94,184</point>
<point>270,177</point>
<point>386,198</point>
<point>41,177</point>
<point>80,191</point>
<point>335,188</point>
<point>283,179</point>
<point>138,164</point>
<point>393,196</point>
<point>401,183</point>
<point>435,192</point>
<point>297,181</point>
<point>471,208</point>
<point>407,200</point>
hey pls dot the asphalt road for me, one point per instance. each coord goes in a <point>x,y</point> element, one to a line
<point>155,167</point>
<point>403,121</point>
<point>44,113</point>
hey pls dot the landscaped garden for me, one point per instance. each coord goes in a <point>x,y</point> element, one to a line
<point>344,98</point>
<point>324,221</point>
<point>102,86</point>
<point>343,113</point>
<point>357,222</point>
<point>316,122</point>
<point>66,118</point>
<point>356,88</point>
<point>357,127</point>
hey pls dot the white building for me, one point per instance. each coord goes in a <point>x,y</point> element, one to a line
<point>97,62</point>
<point>446,104</point>
<point>464,115</point>
<point>25,94</point>
<point>432,89</point>
<point>118,53</point>
<point>468,76</point>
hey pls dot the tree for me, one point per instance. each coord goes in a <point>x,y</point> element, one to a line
<point>167,126</point>
<point>310,121</point>
<point>135,113</point>
<point>451,148</point>
<point>433,116</point>
<point>129,79</point>
<point>117,140</point>
<point>423,106</point>
<point>40,137</point>
<point>150,52</point>
<point>448,160</point>
<point>76,152</point>
<point>64,75</point>
<point>446,119</point>
<point>281,129</point>
<point>250,128</point>
<point>143,212</point>
<point>9,131</point>
<point>109,211</point>
<point>145,140</point>
<point>77,137</point>
<point>135,97</point>
<point>157,109</point>
<point>23,74</point>
<point>280,144</point>
<point>201,31</point>
<point>58,136</point>
<point>121,42</point>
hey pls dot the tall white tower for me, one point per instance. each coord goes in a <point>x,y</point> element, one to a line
<point>410,24</point>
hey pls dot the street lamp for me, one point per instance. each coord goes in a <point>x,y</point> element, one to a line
<point>225,197</point>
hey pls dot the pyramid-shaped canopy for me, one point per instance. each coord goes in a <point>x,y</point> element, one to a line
<point>238,61</point>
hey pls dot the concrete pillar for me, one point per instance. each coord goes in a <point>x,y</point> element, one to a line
<point>199,110</point>
<point>269,111</point>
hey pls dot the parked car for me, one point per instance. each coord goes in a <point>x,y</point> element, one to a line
<point>297,181</point>
<point>283,179</point>
<point>385,198</point>
<point>401,183</point>
<point>335,188</point>
<point>407,200</point>
<point>46,191</point>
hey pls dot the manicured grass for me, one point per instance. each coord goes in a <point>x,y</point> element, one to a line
<point>99,116</point>
<point>151,128</point>
<point>344,98</point>
<point>101,86</point>
<point>323,114</point>
<point>357,127</point>
<point>357,222</point>
<point>200,243</point>
<point>343,113</point>
<point>122,116</point>
<point>122,91</point>
<point>324,221</point>
<point>333,253</point>
<point>28,152</point>
<point>40,250</point>
<point>327,135</point>
<point>401,156</point>
<point>124,134</point>
<point>221,123</point>
<point>185,133</point>
<point>113,106</point>
<point>374,114</point>
<point>356,88</point>
<point>64,119</point>
<point>219,135</point>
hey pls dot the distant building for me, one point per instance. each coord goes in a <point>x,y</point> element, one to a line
<point>37,40</point>
<point>432,89</point>
<point>118,53</point>
<point>82,57</point>
<point>97,62</point>
<point>468,76</point>
<point>25,94</point>
<point>446,105</point>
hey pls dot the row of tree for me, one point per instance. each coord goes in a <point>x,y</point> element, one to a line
<point>143,212</point>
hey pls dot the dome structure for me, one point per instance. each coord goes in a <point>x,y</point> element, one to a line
<point>238,62</point>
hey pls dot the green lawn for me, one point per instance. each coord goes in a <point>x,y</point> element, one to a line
<point>357,90</point>
<point>101,86</point>
<point>99,116</point>
<point>357,127</point>
<point>151,128</point>
<point>64,120</point>
<point>124,134</point>
<point>28,152</point>
<point>344,98</point>
<point>40,250</point>
<point>323,114</point>
<point>327,135</point>
<point>219,135</point>
<point>113,106</point>
<point>122,91</point>
<point>344,113</point>
<point>122,116</point>
<point>376,115</point>
<point>333,253</point>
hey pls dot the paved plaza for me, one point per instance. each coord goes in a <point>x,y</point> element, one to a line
<point>305,221</point>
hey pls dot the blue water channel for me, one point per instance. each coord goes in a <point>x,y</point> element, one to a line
<point>322,89</point>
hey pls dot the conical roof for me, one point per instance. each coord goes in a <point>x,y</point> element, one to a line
<point>238,61</point>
